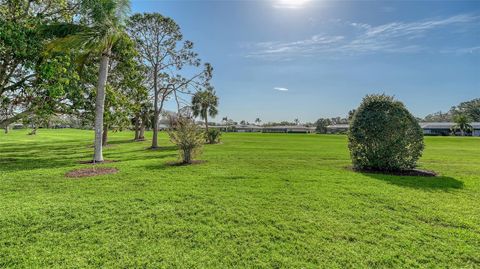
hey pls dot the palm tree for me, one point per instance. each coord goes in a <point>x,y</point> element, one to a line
<point>297,121</point>
<point>258,120</point>
<point>462,123</point>
<point>204,104</point>
<point>106,28</point>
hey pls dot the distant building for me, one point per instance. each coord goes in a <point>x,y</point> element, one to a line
<point>289,129</point>
<point>445,128</point>
<point>337,128</point>
<point>247,128</point>
<point>429,128</point>
<point>269,129</point>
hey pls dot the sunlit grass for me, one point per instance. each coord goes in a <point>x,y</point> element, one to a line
<point>259,200</point>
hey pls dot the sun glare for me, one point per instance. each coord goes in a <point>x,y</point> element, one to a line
<point>293,4</point>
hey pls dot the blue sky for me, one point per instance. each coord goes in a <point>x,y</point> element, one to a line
<point>306,59</point>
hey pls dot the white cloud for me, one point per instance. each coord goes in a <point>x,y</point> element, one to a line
<point>394,37</point>
<point>280,89</point>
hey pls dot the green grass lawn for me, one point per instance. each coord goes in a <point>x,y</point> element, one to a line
<point>260,200</point>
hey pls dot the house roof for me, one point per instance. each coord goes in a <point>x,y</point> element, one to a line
<point>248,127</point>
<point>424,125</point>
<point>338,126</point>
<point>444,125</point>
<point>297,127</point>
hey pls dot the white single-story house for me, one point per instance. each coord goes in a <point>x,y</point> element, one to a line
<point>269,129</point>
<point>445,128</point>
<point>289,129</point>
<point>429,128</point>
<point>247,128</point>
<point>337,128</point>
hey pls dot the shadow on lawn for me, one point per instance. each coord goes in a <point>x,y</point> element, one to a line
<point>427,183</point>
<point>20,157</point>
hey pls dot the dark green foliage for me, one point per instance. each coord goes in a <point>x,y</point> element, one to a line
<point>384,135</point>
<point>321,125</point>
<point>462,123</point>
<point>213,135</point>
<point>471,109</point>
<point>204,104</point>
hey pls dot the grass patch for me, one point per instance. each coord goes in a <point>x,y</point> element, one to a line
<point>259,200</point>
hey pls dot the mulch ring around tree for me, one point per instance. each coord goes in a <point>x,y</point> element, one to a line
<point>91,172</point>
<point>411,172</point>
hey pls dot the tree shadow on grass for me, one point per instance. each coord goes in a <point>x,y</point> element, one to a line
<point>18,157</point>
<point>426,183</point>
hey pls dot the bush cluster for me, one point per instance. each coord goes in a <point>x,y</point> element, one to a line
<point>384,135</point>
<point>213,136</point>
<point>188,137</point>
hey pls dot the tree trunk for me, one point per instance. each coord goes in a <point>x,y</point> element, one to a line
<point>6,129</point>
<point>206,124</point>
<point>137,127</point>
<point>100,105</point>
<point>141,135</point>
<point>156,113</point>
<point>105,135</point>
<point>187,157</point>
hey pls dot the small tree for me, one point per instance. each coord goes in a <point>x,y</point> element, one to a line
<point>188,137</point>
<point>462,123</point>
<point>257,121</point>
<point>205,103</point>
<point>384,136</point>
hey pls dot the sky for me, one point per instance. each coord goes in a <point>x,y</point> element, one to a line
<point>285,59</point>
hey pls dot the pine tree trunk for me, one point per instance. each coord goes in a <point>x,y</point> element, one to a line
<point>155,127</point>
<point>105,135</point>
<point>156,114</point>
<point>100,105</point>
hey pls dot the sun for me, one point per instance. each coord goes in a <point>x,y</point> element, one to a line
<point>292,4</point>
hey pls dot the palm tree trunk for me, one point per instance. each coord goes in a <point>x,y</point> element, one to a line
<point>105,135</point>
<point>100,105</point>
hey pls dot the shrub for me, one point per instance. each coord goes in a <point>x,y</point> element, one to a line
<point>384,136</point>
<point>188,137</point>
<point>213,136</point>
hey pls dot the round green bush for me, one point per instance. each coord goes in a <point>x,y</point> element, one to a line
<point>384,135</point>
